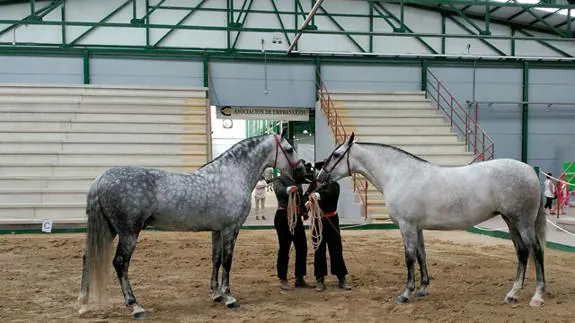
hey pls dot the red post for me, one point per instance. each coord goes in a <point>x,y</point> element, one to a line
<point>466,130</point>
<point>476,124</point>
<point>438,94</point>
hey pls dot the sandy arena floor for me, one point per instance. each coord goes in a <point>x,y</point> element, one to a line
<point>39,279</point>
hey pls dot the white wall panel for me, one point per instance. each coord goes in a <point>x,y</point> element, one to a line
<point>38,70</point>
<point>146,72</point>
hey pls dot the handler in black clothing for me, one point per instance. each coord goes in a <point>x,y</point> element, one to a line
<point>282,186</point>
<point>328,195</point>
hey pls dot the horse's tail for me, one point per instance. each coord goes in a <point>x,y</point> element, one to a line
<point>98,245</point>
<point>541,224</point>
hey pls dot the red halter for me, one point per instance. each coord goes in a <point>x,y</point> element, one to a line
<point>278,147</point>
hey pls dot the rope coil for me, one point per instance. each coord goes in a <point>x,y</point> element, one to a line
<point>315,223</point>
<point>292,210</point>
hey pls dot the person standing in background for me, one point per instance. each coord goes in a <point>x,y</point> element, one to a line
<point>562,194</point>
<point>260,197</point>
<point>549,192</point>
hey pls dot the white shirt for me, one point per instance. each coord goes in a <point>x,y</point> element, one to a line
<point>549,188</point>
<point>261,189</point>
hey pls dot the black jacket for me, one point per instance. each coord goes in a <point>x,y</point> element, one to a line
<point>281,183</point>
<point>329,195</point>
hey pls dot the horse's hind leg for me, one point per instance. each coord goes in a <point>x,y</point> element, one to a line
<point>216,263</point>
<point>410,244</point>
<point>422,290</point>
<point>84,283</point>
<point>229,237</point>
<point>124,252</point>
<point>532,243</point>
<point>522,258</point>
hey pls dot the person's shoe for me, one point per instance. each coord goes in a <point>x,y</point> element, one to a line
<point>257,217</point>
<point>263,217</point>
<point>343,283</point>
<point>285,285</point>
<point>319,285</point>
<point>301,283</point>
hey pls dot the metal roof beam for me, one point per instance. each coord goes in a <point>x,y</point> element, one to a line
<point>152,9</point>
<point>103,20</point>
<point>357,45</point>
<point>241,20</point>
<point>498,20</point>
<point>179,23</point>
<point>490,45</point>
<point>35,15</point>
<point>305,24</point>
<point>483,3</point>
<point>462,15</point>
<point>280,21</point>
<point>546,44</point>
<point>409,30</point>
<point>558,32</point>
<point>545,16</point>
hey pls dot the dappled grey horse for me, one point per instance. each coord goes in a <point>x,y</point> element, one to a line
<point>217,197</point>
<point>423,196</point>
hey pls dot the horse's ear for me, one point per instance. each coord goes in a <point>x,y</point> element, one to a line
<point>284,133</point>
<point>350,141</point>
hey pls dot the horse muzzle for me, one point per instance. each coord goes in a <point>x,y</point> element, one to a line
<point>322,177</point>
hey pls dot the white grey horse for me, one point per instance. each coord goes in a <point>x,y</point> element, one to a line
<point>423,196</point>
<point>217,197</point>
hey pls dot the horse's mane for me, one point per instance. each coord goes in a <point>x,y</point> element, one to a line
<point>239,149</point>
<point>394,148</point>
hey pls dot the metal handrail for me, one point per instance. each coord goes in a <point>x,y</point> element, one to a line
<point>360,185</point>
<point>476,139</point>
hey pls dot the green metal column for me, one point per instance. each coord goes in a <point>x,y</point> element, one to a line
<point>424,76</point>
<point>206,70</point>
<point>86,66</point>
<point>443,32</point>
<point>525,114</point>
<point>317,63</point>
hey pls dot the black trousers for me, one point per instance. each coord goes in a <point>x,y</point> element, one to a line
<point>285,239</point>
<point>548,202</point>
<point>331,237</point>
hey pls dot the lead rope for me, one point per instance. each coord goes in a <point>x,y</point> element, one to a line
<point>292,208</point>
<point>315,225</point>
<point>347,244</point>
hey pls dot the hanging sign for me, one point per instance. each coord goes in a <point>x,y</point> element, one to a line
<point>262,113</point>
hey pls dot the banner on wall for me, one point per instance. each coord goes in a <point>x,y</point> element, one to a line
<point>262,113</point>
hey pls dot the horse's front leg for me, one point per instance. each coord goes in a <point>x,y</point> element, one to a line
<point>422,290</point>
<point>217,244</point>
<point>229,237</point>
<point>410,244</point>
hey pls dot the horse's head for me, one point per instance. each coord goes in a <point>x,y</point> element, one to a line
<point>286,158</point>
<point>336,166</point>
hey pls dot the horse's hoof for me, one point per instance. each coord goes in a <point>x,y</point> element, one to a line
<point>138,313</point>
<point>233,305</point>
<point>231,302</point>
<point>83,309</point>
<point>217,298</point>
<point>536,302</point>
<point>510,300</point>
<point>401,300</point>
<point>421,293</point>
<point>83,299</point>
<point>139,316</point>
